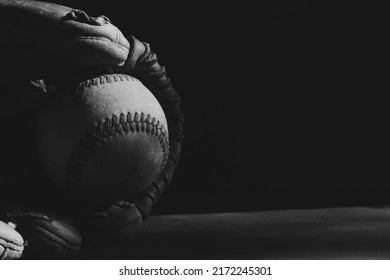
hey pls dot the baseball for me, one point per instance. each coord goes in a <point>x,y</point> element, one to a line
<point>104,140</point>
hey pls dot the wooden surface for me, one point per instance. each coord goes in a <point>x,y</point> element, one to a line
<point>333,233</point>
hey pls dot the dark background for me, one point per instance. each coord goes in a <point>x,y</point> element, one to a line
<point>276,111</point>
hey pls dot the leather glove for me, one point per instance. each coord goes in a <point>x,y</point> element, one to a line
<point>110,227</point>
<point>113,225</point>
<point>11,242</point>
<point>48,236</point>
<point>58,45</point>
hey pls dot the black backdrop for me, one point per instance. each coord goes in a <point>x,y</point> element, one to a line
<point>274,114</point>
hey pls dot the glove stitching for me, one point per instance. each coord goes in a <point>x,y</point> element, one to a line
<point>137,122</point>
<point>146,55</point>
<point>150,72</point>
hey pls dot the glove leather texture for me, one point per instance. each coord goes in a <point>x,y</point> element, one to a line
<point>11,242</point>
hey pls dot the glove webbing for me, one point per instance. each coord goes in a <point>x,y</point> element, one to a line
<point>147,69</point>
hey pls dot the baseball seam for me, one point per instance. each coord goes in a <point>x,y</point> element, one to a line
<point>107,130</point>
<point>103,131</point>
<point>105,79</point>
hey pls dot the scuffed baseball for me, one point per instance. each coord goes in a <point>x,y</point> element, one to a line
<point>105,140</point>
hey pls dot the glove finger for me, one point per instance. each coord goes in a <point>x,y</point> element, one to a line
<point>113,226</point>
<point>48,236</point>
<point>11,242</point>
<point>41,33</point>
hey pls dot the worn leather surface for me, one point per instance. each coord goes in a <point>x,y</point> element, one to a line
<point>63,45</point>
<point>11,242</point>
<point>60,32</point>
<point>115,225</point>
<point>48,236</point>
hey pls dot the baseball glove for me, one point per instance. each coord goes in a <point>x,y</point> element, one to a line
<point>47,236</point>
<point>11,242</point>
<point>54,46</point>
